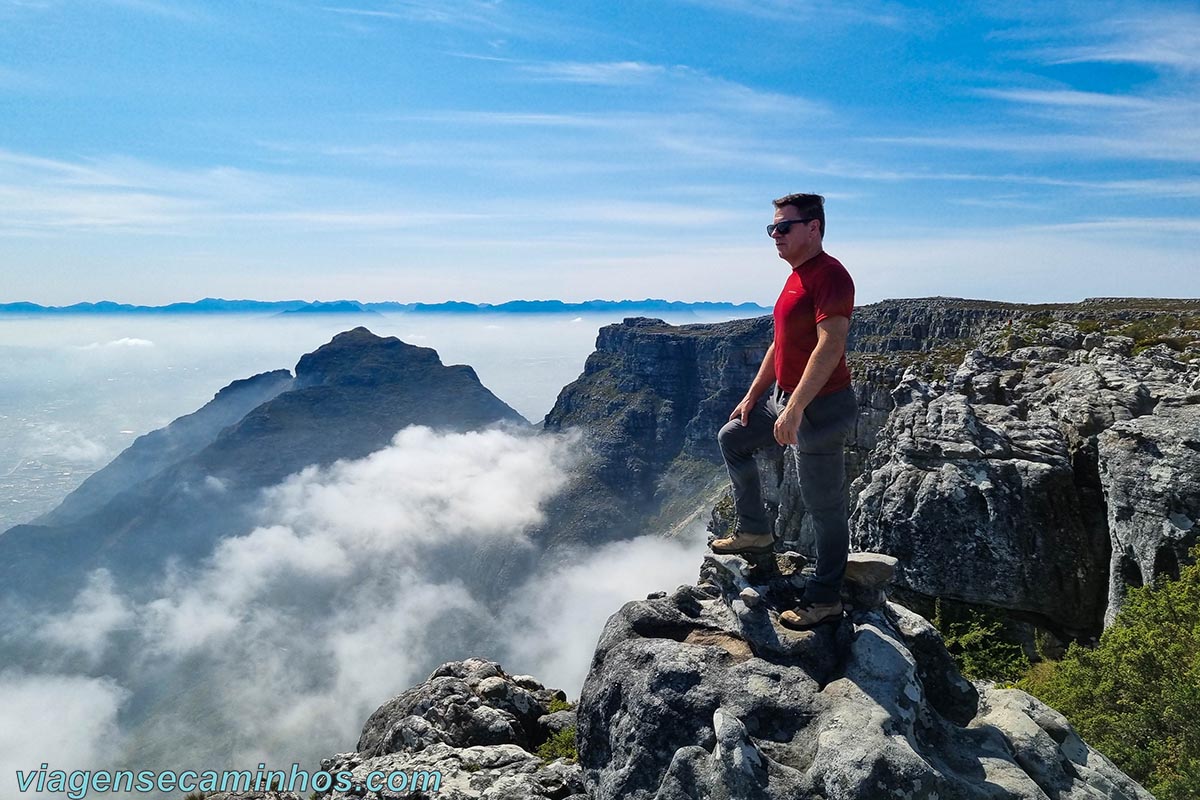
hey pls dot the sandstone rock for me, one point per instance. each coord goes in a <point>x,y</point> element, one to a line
<point>1150,469</point>
<point>870,570</point>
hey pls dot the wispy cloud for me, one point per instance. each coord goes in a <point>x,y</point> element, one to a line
<point>490,17</point>
<point>609,73</point>
<point>464,14</point>
<point>1160,37</point>
<point>679,86</point>
<point>814,13</point>
<point>1181,145</point>
<point>1138,225</point>
<point>1066,98</point>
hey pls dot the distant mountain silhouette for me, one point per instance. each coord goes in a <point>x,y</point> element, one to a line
<point>211,305</point>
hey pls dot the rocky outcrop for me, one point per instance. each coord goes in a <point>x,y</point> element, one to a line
<point>1150,473</point>
<point>1011,483</point>
<point>201,475</point>
<point>702,694</point>
<point>475,726</point>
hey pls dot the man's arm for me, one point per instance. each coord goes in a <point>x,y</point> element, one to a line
<point>762,382</point>
<point>831,346</point>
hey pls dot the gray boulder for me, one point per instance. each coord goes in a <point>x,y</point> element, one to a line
<point>697,695</point>
<point>474,726</point>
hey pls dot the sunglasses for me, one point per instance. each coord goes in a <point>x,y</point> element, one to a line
<point>785,225</point>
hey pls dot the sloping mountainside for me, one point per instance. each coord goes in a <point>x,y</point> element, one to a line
<point>700,694</point>
<point>175,491</point>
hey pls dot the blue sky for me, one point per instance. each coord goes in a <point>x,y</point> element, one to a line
<point>486,150</point>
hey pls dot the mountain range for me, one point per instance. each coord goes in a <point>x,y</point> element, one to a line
<point>212,305</point>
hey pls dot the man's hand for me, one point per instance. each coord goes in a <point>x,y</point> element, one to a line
<point>788,424</point>
<point>742,410</point>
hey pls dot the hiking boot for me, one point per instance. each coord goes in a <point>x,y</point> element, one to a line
<point>741,543</point>
<point>811,615</point>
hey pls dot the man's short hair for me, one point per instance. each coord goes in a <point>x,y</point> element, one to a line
<point>809,205</point>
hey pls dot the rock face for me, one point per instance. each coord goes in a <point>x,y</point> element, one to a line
<point>475,725</point>
<point>701,695</point>
<point>175,492</point>
<point>1012,483</point>
<point>650,401</point>
<point>1150,472</point>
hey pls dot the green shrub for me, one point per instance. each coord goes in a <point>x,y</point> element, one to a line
<point>1176,343</point>
<point>560,705</point>
<point>1136,696</point>
<point>1142,330</point>
<point>975,637</point>
<point>560,745</point>
<point>1087,326</point>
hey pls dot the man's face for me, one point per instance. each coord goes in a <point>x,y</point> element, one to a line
<point>802,240</point>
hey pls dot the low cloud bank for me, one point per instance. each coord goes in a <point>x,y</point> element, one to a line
<point>354,584</point>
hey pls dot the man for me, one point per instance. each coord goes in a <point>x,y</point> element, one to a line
<point>810,409</point>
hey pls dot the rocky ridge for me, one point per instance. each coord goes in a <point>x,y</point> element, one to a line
<point>473,725</point>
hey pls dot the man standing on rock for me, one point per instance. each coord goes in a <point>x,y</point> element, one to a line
<point>810,407</point>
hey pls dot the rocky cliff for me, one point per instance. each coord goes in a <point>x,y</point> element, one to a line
<point>652,397</point>
<point>1051,470</point>
<point>649,403</point>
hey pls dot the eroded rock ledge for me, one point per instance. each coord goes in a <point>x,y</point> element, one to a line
<point>702,694</point>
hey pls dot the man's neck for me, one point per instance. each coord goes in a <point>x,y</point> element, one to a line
<point>807,255</point>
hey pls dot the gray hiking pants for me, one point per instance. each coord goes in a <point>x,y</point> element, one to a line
<point>821,466</point>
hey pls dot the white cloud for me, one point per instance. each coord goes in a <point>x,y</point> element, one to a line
<point>60,442</point>
<point>1160,37</point>
<point>98,612</point>
<point>559,615</point>
<point>1069,98</point>
<point>125,341</point>
<point>357,580</point>
<point>606,73</point>
<point>343,595</point>
<point>67,721</point>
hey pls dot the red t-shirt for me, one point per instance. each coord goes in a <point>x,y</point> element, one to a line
<point>817,289</point>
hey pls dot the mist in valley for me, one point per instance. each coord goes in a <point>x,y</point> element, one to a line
<point>353,584</point>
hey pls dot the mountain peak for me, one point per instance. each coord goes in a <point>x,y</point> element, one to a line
<point>360,357</point>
